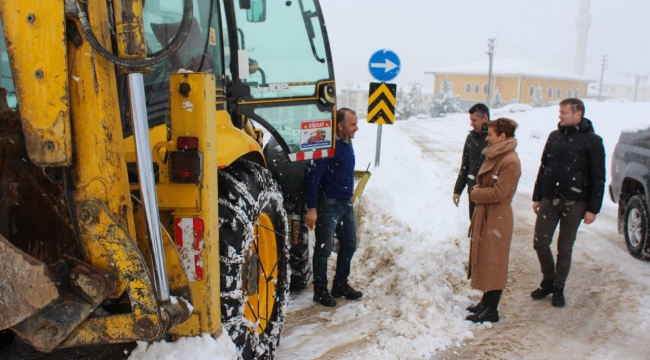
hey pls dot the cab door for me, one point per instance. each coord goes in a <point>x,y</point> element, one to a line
<point>279,61</point>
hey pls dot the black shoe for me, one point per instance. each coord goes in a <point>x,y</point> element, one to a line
<point>485,314</point>
<point>545,288</point>
<point>558,297</point>
<point>342,288</point>
<point>323,296</point>
<point>476,308</point>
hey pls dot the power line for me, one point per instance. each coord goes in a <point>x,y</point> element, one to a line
<point>541,57</point>
<point>538,52</point>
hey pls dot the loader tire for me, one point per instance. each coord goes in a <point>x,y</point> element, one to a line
<point>253,234</point>
<point>301,268</point>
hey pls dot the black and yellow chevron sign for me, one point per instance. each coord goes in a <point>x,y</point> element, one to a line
<point>381,103</point>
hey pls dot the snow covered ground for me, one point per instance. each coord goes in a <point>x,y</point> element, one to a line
<point>413,249</point>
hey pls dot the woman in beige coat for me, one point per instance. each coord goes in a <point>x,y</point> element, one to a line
<point>492,224</point>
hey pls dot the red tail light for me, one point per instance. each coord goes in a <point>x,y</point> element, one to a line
<point>185,167</point>
<point>187,143</point>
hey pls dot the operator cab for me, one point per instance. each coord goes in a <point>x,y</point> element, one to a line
<point>271,60</point>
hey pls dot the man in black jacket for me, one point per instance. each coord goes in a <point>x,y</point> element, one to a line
<point>479,115</point>
<point>569,188</point>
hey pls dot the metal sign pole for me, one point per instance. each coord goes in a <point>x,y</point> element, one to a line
<point>384,65</point>
<point>378,151</point>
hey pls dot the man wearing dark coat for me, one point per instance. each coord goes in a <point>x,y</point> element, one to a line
<point>569,189</point>
<point>329,186</point>
<point>473,158</point>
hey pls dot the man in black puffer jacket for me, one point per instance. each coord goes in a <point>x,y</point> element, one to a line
<point>569,188</point>
<point>473,157</point>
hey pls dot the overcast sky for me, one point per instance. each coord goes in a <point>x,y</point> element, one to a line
<point>427,34</point>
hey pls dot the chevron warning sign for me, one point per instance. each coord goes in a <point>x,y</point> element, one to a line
<point>381,103</point>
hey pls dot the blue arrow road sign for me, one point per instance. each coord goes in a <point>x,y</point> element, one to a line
<point>384,65</point>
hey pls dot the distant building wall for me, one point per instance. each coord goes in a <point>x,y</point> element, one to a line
<point>476,84</point>
<point>508,87</point>
<point>355,99</point>
<point>625,91</point>
<point>552,90</point>
<point>513,89</point>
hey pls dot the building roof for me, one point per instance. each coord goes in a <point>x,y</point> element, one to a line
<point>510,67</point>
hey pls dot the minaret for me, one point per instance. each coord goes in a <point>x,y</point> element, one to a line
<point>583,22</point>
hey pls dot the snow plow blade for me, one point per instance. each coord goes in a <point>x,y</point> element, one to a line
<point>360,180</point>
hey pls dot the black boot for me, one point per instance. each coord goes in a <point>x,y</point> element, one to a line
<point>545,288</point>
<point>342,288</point>
<point>323,296</point>
<point>558,297</point>
<point>488,311</point>
<point>476,308</point>
<point>485,314</point>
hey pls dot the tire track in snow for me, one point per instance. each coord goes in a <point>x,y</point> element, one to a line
<point>419,133</point>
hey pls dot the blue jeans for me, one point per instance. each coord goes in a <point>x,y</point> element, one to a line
<point>334,215</point>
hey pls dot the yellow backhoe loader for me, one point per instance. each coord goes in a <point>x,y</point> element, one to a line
<point>139,199</point>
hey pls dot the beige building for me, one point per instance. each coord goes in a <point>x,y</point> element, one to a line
<point>515,80</point>
<point>631,88</point>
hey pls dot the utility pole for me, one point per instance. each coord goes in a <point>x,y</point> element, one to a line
<point>640,80</point>
<point>491,54</point>
<point>602,72</point>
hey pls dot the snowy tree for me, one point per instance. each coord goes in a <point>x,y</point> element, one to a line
<point>496,102</point>
<point>445,102</point>
<point>403,107</point>
<point>415,98</point>
<point>537,98</point>
<point>409,101</point>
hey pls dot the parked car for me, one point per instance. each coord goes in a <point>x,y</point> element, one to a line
<point>629,188</point>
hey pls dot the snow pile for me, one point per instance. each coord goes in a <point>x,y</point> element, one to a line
<point>416,284</point>
<point>191,348</point>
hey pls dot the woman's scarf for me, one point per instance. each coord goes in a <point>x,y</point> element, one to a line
<point>492,151</point>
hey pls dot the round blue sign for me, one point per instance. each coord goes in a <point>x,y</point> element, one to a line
<point>384,65</point>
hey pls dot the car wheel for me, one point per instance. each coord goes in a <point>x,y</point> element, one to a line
<point>636,227</point>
